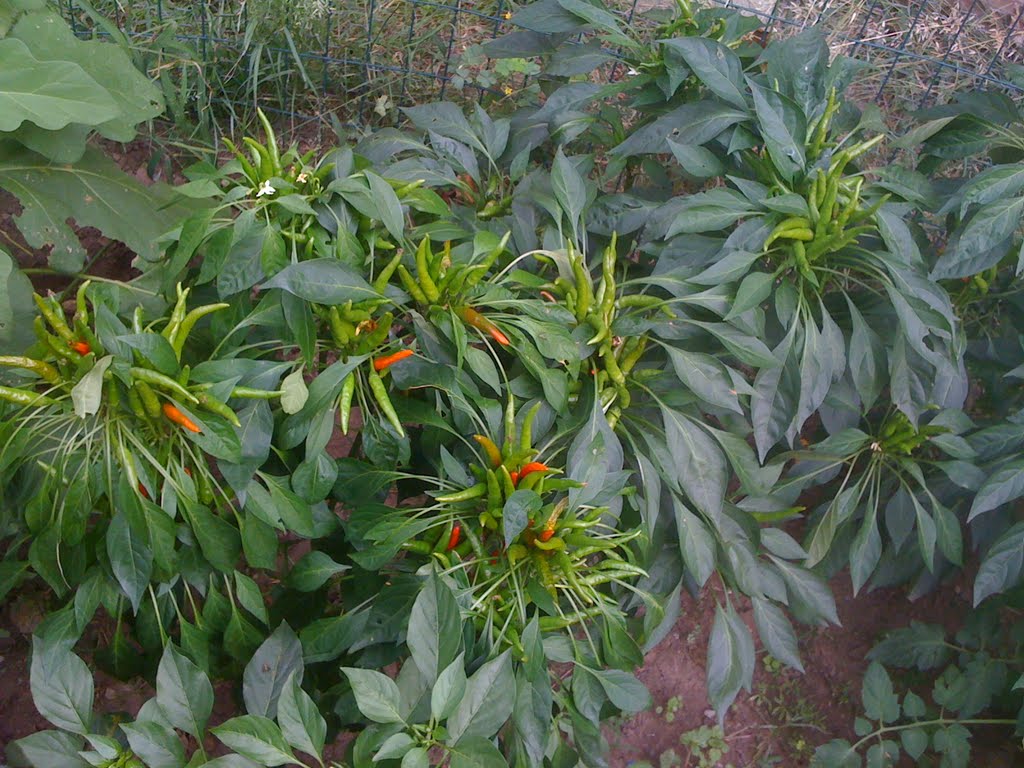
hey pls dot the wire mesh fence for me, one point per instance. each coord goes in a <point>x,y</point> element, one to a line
<point>357,61</point>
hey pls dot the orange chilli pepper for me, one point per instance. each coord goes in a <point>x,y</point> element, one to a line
<point>80,347</point>
<point>515,477</point>
<point>453,540</point>
<point>546,534</point>
<point>533,466</point>
<point>382,363</point>
<point>478,321</point>
<point>177,417</point>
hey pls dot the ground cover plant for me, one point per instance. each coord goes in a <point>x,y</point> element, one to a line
<point>423,436</point>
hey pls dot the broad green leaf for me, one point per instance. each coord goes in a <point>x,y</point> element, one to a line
<point>435,628</point>
<point>699,162</point>
<point>388,206</point>
<point>754,289</point>
<point>256,738</point>
<point>701,466</point>
<point>715,65</point>
<point>376,695</point>
<point>880,702</point>
<point>532,714</point>
<point>745,347</point>
<point>158,746</point>
<point>301,723</point>
<point>693,124</point>
<point>131,559</point>
<point>445,119</point>
<point>50,94</point>
<point>1002,566</point>
<point>914,741</point>
<point>218,539</point>
<point>322,281</point>
<point>919,645</point>
<point>808,589</point>
<point>249,596</point>
<point>709,211</point>
<point>275,661</point>
<point>706,377</point>
<point>395,747</point>
<point>623,689</point>
<point>487,703</point>
<point>17,309</point>
<point>47,749</point>
<point>61,686</point>
<point>475,752</point>
<point>183,692</point>
<point>570,190</point>
<point>418,757</point>
<point>1003,486</point>
<point>730,659</point>
<point>313,571</point>
<point>95,193</point>
<point>294,392</point>
<point>695,542</point>
<point>836,754</point>
<point>516,514</point>
<point>988,228</point>
<point>449,689</point>
<point>776,632</point>
<point>136,97</point>
<point>87,394</point>
<point>865,551</point>
<point>783,128</point>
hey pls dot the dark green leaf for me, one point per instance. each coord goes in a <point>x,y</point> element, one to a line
<point>313,571</point>
<point>183,692</point>
<point>322,281</point>
<point>256,738</point>
<point>301,723</point>
<point>376,695</point>
<point>435,628</point>
<point>487,703</point>
<point>275,661</point>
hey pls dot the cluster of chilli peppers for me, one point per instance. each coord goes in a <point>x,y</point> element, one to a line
<point>559,546</point>
<point>158,401</point>
<point>616,357</point>
<point>441,282</point>
<point>836,216</point>
<point>898,436</point>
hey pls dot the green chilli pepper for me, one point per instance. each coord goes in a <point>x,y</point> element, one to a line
<point>380,393</point>
<point>348,388</point>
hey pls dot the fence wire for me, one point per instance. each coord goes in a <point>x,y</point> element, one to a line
<point>358,61</point>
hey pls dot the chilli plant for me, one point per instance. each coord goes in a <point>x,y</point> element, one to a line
<point>423,437</point>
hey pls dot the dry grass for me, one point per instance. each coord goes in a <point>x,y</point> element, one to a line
<point>920,50</point>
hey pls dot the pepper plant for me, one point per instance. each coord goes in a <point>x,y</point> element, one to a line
<point>474,402</point>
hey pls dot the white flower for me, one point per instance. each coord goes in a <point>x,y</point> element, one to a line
<point>631,72</point>
<point>266,189</point>
<point>302,178</point>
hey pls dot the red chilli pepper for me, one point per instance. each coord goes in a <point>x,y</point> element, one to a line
<point>80,347</point>
<point>546,534</point>
<point>383,363</point>
<point>143,491</point>
<point>478,321</point>
<point>533,466</point>
<point>453,540</point>
<point>177,417</point>
<point>515,477</point>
